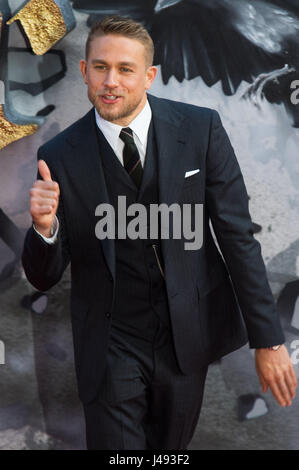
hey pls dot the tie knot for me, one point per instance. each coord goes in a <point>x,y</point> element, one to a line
<point>126,135</point>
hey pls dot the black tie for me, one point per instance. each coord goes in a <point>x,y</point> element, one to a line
<point>131,158</point>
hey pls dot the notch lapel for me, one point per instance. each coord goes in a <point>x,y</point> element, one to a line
<point>171,135</point>
<point>88,177</point>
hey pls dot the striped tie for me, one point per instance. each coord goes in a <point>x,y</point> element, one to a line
<point>131,158</point>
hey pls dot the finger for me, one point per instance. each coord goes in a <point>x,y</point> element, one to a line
<point>45,202</point>
<point>265,387</point>
<point>44,170</point>
<point>291,383</point>
<point>293,376</point>
<point>47,185</point>
<point>284,389</point>
<point>57,188</point>
<point>43,193</point>
<point>41,210</point>
<point>276,391</point>
<point>263,383</point>
<point>36,204</point>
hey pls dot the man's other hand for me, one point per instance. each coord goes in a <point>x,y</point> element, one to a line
<point>275,371</point>
<point>44,198</point>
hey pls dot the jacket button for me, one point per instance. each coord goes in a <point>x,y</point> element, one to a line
<point>108,314</point>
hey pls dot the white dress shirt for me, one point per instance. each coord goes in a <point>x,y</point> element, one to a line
<point>139,125</point>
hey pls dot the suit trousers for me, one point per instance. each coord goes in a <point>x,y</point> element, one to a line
<point>145,402</point>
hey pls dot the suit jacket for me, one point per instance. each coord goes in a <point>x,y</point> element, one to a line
<point>207,288</point>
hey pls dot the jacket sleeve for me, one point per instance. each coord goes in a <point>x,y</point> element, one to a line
<point>43,263</point>
<point>227,201</point>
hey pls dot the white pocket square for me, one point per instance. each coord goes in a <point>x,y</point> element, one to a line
<point>191,172</point>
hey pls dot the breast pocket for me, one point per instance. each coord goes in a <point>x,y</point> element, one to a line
<point>191,180</point>
<point>193,190</point>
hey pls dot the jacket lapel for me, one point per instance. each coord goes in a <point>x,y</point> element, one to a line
<point>171,134</point>
<point>88,178</point>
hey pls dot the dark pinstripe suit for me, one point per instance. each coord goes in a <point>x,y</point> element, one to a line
<point>201,287</point>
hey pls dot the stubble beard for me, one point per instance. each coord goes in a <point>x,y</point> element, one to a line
<point>111,116</point>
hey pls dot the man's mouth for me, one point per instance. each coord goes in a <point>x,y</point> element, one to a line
<point>110,98</point>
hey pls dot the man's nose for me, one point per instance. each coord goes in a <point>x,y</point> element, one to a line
<point>111,78</point>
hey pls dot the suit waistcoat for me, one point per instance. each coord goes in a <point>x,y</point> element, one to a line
<point>140,291</point>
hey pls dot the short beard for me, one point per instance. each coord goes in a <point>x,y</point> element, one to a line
<point>111,116</point>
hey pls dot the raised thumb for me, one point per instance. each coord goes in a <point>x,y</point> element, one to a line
<point>44,170</point>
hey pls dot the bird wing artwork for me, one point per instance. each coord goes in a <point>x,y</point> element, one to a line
<point>230,41</point>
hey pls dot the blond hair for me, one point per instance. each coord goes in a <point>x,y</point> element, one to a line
<point>121,26</point>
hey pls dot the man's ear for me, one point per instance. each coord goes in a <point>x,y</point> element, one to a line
<point>83,67</point>
<point>150,76</point>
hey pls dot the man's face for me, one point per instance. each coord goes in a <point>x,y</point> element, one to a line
<point>116,66</point>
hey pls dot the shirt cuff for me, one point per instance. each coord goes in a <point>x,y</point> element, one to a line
<point>54,232</point>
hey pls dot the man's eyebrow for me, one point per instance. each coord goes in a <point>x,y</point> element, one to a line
<point>100,61</point>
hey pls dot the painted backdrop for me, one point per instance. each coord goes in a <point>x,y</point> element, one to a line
<point>239,57</point>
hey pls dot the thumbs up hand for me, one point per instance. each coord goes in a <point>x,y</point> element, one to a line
<point>44,198</point>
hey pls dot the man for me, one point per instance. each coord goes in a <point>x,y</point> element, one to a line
<point>148,316</point>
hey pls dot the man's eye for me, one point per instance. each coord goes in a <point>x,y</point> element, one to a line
<point>125,69</point>
<point>101,67</point>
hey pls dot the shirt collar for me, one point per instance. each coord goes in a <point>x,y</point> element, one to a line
<point>139,126</point>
